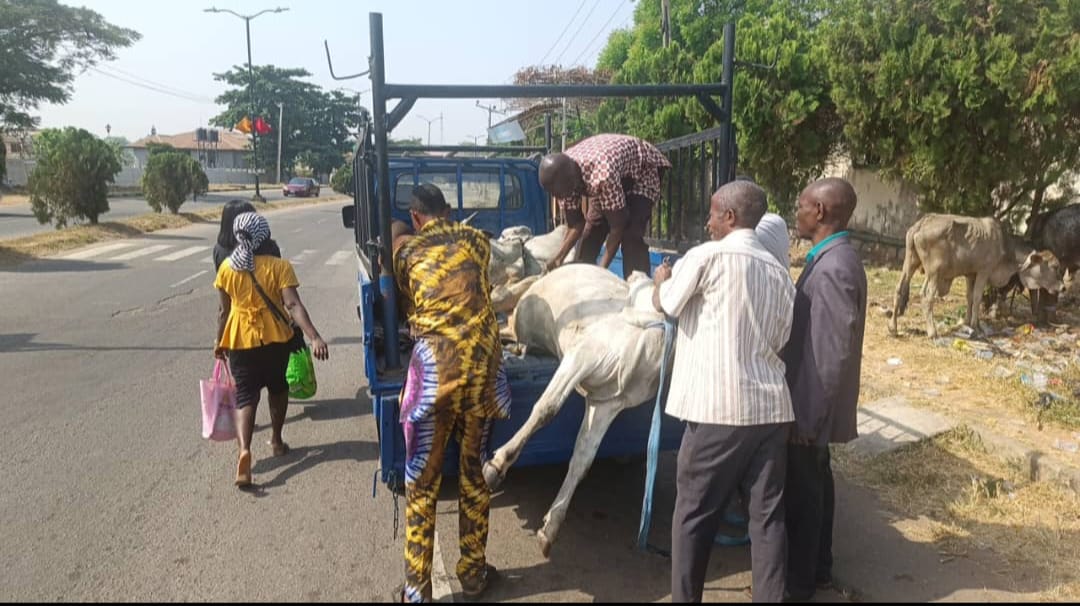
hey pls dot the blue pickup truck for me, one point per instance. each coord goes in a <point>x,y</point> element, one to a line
<point>496,188</point>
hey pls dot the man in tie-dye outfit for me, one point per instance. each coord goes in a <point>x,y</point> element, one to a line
<point>455,385</point>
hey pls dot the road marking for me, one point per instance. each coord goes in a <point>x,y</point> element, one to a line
<point>303,255</point>
<point>190,278</point>
<point>340,257</point>
<point>140,252</point>
<point>93,252</point>
<point>441,591</point>
<point>209,259</point>
<point>187,252</point>
<point>298,230</point>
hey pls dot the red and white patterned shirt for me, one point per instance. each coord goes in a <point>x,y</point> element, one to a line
<point>606,160</point>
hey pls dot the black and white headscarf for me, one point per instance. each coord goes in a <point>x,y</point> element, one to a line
<point>251,230</point>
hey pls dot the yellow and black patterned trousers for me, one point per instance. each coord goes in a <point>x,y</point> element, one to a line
<point>425,448</point>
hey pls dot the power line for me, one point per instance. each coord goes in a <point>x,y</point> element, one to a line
<point>580,27</point>
<point>184,96</point>
<point>565,29</point>
<point>597,36</point>
<point>114,69</point>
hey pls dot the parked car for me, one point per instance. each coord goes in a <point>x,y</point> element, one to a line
<point>301,187</point>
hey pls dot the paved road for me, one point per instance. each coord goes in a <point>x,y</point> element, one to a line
<point>18,220</point>
<point>109,492</point>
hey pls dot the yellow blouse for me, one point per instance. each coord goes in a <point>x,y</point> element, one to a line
<point>251,324</point>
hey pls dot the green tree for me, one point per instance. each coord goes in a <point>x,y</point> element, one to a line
<point>3,158</point>
<point>316,124</point>
<point>120,144</point>
<point>976,102</point>
<point>786,125</point>
<point>342,181</point>
<point>72,176</point>
<point>43,46</point>
<point>170,178</point>
<point>152,149</point>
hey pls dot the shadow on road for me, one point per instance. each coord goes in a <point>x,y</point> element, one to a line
<point>23,342</point>
<point>18,263</point>
<point>304,458</point>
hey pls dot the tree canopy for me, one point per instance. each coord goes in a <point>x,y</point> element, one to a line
<point>317,124</point>
<point>976,102</point>
<point>43,46</point>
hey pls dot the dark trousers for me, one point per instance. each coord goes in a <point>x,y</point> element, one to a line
<point>635,252</point>
<point>714,461</point>
<point>811,500</point>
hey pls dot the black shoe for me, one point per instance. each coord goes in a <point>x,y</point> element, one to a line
<point>799,596</point>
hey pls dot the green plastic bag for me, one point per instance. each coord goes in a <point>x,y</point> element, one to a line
<point>301,375</point>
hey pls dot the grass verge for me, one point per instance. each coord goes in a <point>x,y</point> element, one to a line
<point>969,499</point>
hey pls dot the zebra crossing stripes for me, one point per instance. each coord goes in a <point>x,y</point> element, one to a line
<point>169,253</point>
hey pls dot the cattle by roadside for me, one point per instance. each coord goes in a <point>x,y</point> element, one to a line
<point>1059,232</point>
<point>947,247</point>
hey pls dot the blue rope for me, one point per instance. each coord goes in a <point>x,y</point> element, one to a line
<point>654,437</point>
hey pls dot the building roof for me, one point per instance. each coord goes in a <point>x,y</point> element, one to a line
<point>227,141</point>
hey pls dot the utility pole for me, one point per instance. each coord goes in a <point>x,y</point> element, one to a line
<point>665,21</point>
<point>565,132</point>
<point>489,110</point>
<point>251,86</point>
<point>280,121</point>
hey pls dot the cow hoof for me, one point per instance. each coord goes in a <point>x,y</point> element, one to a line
<point>493,476</point>
<point>545,544</point>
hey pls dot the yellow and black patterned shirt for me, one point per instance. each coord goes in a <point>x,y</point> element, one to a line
<point>443,273</point>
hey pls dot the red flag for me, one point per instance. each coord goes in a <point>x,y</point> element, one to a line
<point>262,127</point>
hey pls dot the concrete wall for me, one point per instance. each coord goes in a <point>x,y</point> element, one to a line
<point>885,207</point>
<point>18,172</point>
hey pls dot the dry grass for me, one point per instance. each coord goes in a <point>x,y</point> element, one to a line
<point>13,199</point>
<point>969,499</point>
<point>18,250</point>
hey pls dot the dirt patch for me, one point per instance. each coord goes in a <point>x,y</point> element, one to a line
<point>968,499</point>
<point>18,250</point>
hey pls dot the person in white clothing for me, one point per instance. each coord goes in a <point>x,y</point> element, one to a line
<point>734,302</point>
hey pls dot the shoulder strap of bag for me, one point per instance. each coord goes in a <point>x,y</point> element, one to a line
<point>273,308</point>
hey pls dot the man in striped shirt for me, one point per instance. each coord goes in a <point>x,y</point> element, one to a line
<point>620,175</point>
<point>734,302</point>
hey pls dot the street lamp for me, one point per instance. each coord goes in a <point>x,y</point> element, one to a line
<point>251,85</point>
<point>439,120</point>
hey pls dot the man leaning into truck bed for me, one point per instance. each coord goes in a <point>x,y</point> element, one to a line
<point>455,386</point>
<point>620,175</point>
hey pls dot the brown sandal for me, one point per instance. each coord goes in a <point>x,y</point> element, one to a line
<point>474,587</point>
<point>243,469</point>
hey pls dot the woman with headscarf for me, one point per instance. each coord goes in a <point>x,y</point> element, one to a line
<point>226,240</point>
<point>252,336</point>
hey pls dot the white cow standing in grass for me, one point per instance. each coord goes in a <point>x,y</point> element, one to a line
<point>609,339</point>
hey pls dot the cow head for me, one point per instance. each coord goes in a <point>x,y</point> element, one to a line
<point>506,262</point>
<point>1041,270</point>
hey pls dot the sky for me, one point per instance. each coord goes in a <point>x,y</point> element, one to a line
<point>426,42</point>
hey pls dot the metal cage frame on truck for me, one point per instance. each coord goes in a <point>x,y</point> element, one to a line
<point>374,138</point>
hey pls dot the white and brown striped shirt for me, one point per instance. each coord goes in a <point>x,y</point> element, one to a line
<point>734,302</point>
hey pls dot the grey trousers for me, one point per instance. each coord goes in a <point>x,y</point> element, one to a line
<point>714,461</point>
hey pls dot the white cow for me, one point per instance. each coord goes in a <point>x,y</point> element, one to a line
<point>609,340</point>
<point>517,260</point>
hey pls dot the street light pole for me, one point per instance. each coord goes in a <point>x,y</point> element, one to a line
<point>280,121</point>
<point>251,87</point>
<point>439,120</point>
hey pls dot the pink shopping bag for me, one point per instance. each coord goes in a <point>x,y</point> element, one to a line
<point>218,403</point>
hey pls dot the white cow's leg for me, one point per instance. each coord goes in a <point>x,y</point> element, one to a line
<point>975,303</point>
<point>571,371</point>
<point>593,427</point>
<point>928,306</point>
